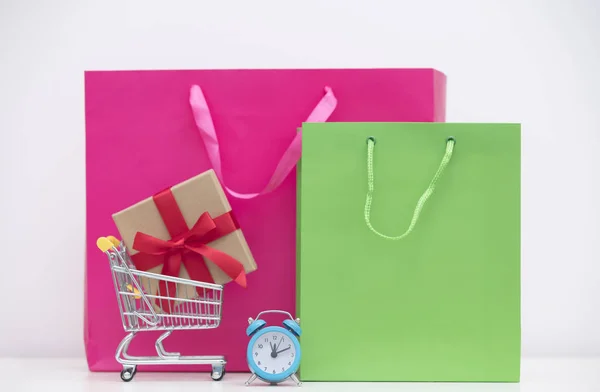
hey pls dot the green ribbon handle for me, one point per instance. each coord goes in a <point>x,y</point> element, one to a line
<point>428,192</point>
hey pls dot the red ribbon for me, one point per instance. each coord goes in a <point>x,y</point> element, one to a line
<point>187,246</point>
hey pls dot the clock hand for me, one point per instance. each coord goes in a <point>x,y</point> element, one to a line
<point>273,351</point>
<point>283,350</point>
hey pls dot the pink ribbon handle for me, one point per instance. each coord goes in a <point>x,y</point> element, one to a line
<point>290,157</point>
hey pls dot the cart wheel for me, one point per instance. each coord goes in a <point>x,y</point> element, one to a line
<point>218,372</point>
<point>128,373</point>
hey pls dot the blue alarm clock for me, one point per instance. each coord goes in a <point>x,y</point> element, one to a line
<point>273,353</point>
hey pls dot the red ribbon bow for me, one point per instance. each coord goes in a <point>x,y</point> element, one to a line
<point>187,246</point>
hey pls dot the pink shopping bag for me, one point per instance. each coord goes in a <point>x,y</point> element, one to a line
<point>149,130</point>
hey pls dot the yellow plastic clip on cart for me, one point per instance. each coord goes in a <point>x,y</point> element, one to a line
<point>203,311</point>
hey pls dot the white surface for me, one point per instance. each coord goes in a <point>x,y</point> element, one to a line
<point>534,62</point>
<point>538,375</point>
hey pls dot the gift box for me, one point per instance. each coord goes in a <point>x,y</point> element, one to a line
<point>186,231</point>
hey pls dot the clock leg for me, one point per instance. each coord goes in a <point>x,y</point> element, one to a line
<point>295,379</point>
<point>252,378</point>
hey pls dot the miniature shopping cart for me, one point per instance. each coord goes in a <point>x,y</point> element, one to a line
<point>196,305</point>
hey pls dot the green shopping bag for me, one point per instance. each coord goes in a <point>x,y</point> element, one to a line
<point>409,252</point>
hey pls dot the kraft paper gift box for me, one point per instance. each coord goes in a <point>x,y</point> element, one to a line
<point>188,231</point>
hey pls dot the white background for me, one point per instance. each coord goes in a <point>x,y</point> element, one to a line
<point>533,62</point>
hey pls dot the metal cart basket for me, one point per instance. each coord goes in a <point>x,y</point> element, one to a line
<point>196,305</point>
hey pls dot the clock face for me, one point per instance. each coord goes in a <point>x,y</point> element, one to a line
<point>274,353</point>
